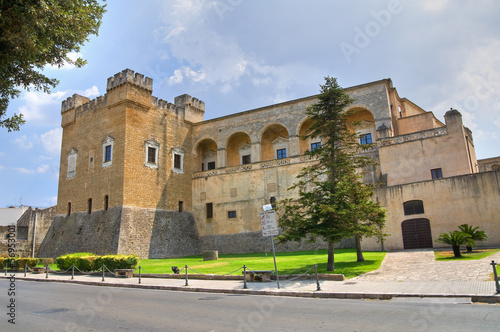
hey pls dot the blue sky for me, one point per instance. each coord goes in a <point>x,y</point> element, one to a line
<point>237,55</point>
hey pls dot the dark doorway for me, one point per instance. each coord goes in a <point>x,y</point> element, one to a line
<point>416,233</point>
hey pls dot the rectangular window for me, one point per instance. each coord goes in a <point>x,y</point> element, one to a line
<point>436,173</point>
<point>210,210</point>
<point>151,155</point>
<point>365,139</point>
<point>281,153</point>
<point>90,206</point>
<point>181,205</point>
<point>314,146</point>
<point>106,203</point>
<point>107,153</point>
<point>246,160</point>
<point>211,165</point>
<point>177,161</point>
<point>231,214</point>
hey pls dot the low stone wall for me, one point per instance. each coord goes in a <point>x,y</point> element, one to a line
<point>242,243</point>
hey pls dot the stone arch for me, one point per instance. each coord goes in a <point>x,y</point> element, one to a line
<point>206,155</point>
<point>238,145</point>
<point>305,144</point>
<point>274,137</point>
<point>362,121</point>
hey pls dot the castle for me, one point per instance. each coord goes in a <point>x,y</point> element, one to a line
<point>144,176</point>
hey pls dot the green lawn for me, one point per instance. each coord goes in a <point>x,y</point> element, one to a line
<point>288,263</point>
<point>475,254</point>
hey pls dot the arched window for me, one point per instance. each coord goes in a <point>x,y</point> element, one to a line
<point>413,207</point>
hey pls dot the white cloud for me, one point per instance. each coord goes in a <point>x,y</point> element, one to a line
<point>66,66</point>
<point>435,5</point>
<point>24,170</point>
<point>51,141</point>
<point>38,104</point>
<point>23,142</point>
<point>90,92</point>
<point>43,169</point>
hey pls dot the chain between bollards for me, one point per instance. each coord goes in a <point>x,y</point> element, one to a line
<point>186,268</point>
<point>496,275</point>
<point>318,288</point>
<point>244,277</point>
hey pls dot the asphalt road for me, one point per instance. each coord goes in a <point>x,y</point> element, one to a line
<point>41,306</point>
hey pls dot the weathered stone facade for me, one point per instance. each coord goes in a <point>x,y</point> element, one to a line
<point>141,175</point>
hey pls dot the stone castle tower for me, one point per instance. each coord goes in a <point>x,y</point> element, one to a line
<point>125,176</point>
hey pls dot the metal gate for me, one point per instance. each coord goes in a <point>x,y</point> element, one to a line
<point>416,233</point>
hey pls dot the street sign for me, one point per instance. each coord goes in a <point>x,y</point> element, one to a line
<point>268,223</point>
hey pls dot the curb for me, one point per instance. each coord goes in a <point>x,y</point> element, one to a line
<point>311,294</point>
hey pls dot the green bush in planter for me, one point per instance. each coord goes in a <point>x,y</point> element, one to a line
<point>83,261</point>
<point>113,262</point>
<point>29,262</point>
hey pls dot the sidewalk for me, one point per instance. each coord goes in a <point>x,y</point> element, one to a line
<point>477,291</point>
<point>402,274</point>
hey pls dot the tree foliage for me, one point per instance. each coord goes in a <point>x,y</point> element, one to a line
<point>332,202</point>
<point>37,33</point>
<point>456,239</point>
<point>474,233</point>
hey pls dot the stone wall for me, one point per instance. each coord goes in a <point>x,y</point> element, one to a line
<point>249,242</point>
<point>468,199</point>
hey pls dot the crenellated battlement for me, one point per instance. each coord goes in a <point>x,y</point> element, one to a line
<point>162,104</point>
<point>128,76</point>
<point>191,102</point>
<point>73,102</point>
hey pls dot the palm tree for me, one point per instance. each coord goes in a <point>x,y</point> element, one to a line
<point>456,239</point>
<point>474,234</point>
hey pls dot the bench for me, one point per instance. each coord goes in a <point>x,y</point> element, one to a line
<point>127,273</point>
<point>259,275</point>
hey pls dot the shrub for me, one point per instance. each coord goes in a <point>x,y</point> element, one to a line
<point>113,262</point>
<point>83,261</point>
<point>29,262</point>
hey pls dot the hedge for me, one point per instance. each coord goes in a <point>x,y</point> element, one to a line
<point>89,262</point>
<point>84,261</point>
<point>113,262</point>
<point>19,262</point>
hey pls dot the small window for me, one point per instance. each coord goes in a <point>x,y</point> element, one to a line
<point>315,146</point>
<point>211,165</point>
<point>281,154</point>
<point>231,214</point>
<point>210,210</point>
<point>106,203</point>
<point>413,207</point>
<point>246,159</point>
<point>365,139</point>
<point>72,156</point>
<point>436,173</point>
<point>181,203</point>
<point>69,209</point>
<point>90,206</point>
<point>151,155</point>
<point>177,161</point>
<point>107,153</point>
<point>273,202</point>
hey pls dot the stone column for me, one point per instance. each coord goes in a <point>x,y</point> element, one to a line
<point>221,158</point>
<point>256,152</point>
<point>294,145</point>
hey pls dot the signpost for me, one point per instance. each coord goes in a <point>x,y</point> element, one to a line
<point>270,228</point>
